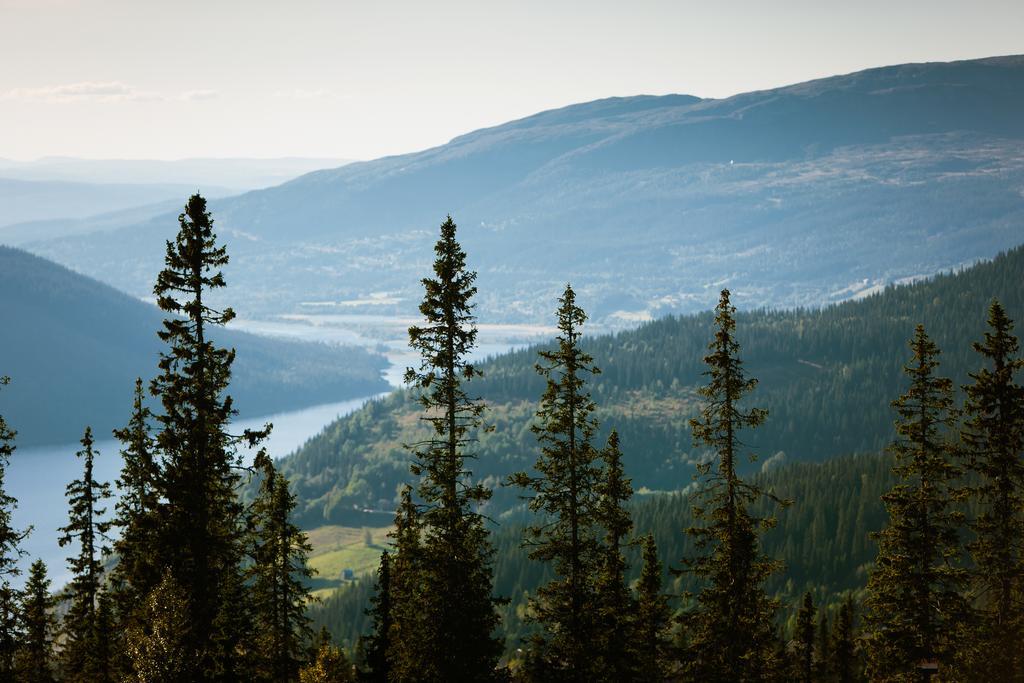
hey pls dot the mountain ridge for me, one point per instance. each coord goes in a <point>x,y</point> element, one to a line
<point>796,191</point>
<point>60,325</point>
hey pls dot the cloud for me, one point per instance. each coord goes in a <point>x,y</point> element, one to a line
<point>102,91</point>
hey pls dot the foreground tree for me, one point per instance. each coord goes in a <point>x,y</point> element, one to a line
<point>845,666</point>
<point>200,538</point>
<point>83,658</point>
<point>137,518</point>
<point>10,553</point>
<point>994,436</point>
<point>731,629</point>
<point>137,511</point>
<point>823,645</point>
<point>564,494</point>
<point>805,640</point>
<point>380,612</point>
<point>404,645</point>
<point>157,643</point>
<point>915,603</point>
<point>329,665</point>
<point>459,609</point>
<point>651,629</point>
<point>613,603</point>
<point>35,653</point>
<point>279,577</point>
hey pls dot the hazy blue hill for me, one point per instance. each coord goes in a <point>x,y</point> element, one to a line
<point>826,376</point>
<point>73,347</point>
<point>16,234</point>
<point>236,173</point>
<point>38,200</point>
<point>798,195</point>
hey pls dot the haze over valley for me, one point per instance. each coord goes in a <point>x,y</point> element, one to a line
<point>511,342</point>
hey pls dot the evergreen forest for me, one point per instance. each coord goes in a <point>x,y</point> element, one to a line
<point>833,494</point>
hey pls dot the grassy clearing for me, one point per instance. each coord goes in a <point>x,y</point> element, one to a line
<point>337,548</point>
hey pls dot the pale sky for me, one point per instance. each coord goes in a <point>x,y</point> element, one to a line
<point>217,78</point>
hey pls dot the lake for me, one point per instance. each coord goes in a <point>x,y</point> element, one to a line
<point>44,471</point>
<point>37,476</point>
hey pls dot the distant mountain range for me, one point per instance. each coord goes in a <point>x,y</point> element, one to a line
<point>238,174</point>
<point>73,347</point>
<point>799,195</point>
<point>55,197</point>
<point>826,377</point>
<point>26,201</point>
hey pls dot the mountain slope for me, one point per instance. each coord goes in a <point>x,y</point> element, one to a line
<point>826,376</point>
<point>38,200</point>
<point>799,195</point>
<point>73,347</point>
<point>822,540</point>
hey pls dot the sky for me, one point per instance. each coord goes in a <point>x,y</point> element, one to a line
<point>359,80</point>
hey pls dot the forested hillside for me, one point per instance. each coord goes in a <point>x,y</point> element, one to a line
<point>822,538</point>
<point>73,348</point>
<point>825,375</point>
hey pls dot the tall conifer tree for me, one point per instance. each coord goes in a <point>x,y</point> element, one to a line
<point>380,612</point>
<point>404,645</point>
<point>10,553</point>
<point>805,640</point>
<point>915,603</point>
<point>158,642</point>
<point>137,518</point>
<point>653,618</point>
<point>845,667</point>
<point>329,665</point>
<point>201,535</point>
<point>564,494</point>
<point>823,645</point>
<point>613,602</point>
<point>459,609</point>
<point>82,660</point>
<point>35,653</point>
<point>731,629</point>
<point>994,436</point>
<point>279,577</point>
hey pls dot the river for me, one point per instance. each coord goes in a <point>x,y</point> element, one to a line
<point>37,476</point>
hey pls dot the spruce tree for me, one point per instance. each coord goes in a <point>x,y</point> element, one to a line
<point>613,603</point>
<point>137,507</point>
<point>459,608</point>
<point>38,626</point>
<point>653,618</point>
<point>823,645</point>
<point>81,659</point>
<point>279,576</point>
<point>731,629</point>
<point>329,664</point>
<point>10,631</point>
<point>994,437</point>
<point>845,668</point>
<point>106,640</point>
<point>157,642</point>
<point>404,644</point>
<point>201,536</point>
<point>10,553</point>
<point>137,518</point>
<point>380,612</point>
<point>564,493</point>
<point>915,603</point>
<point>805,640</point>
